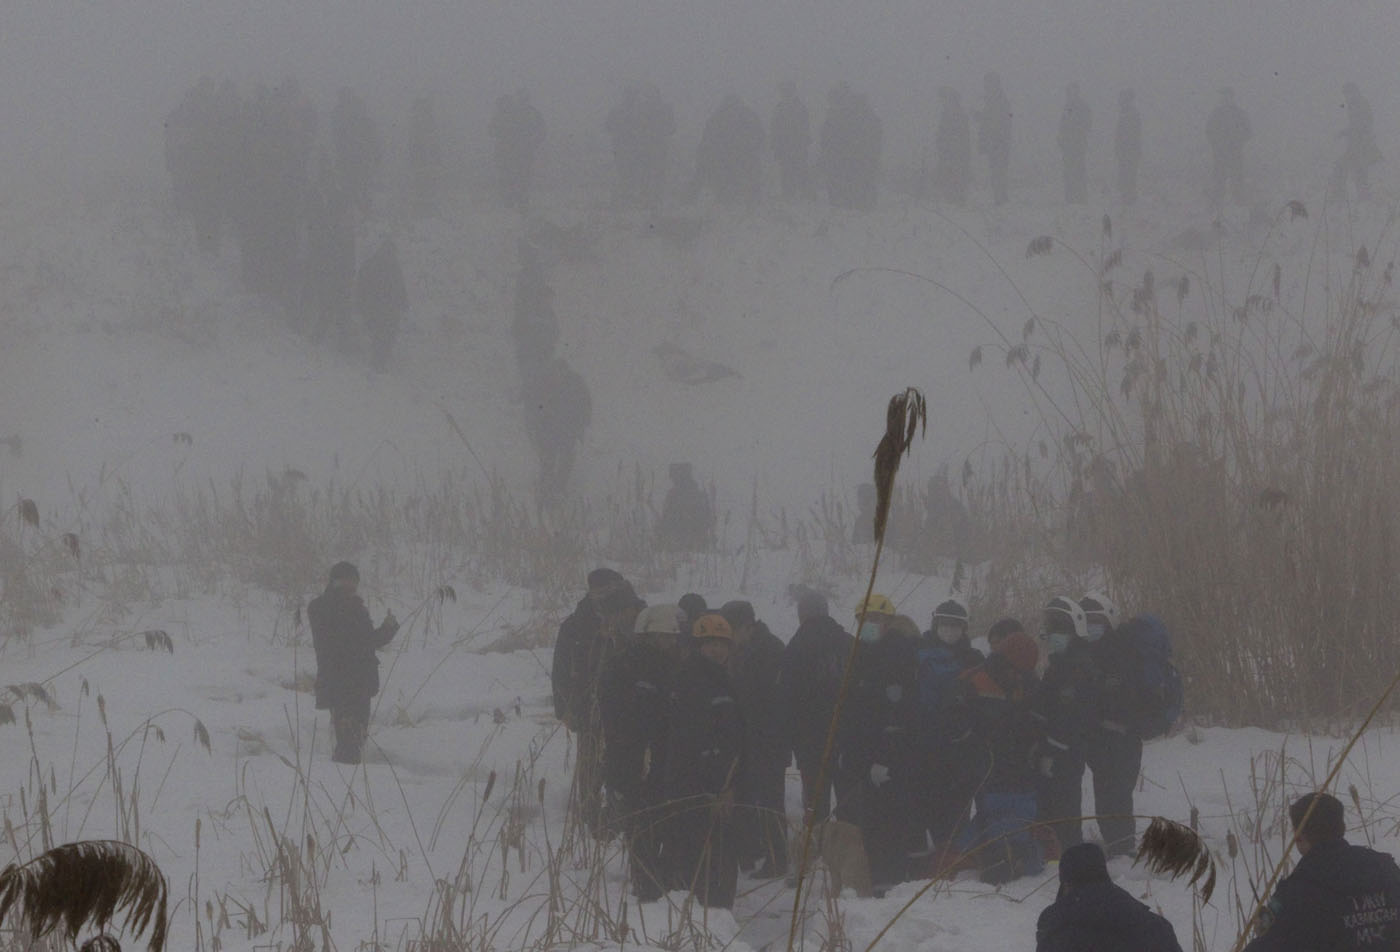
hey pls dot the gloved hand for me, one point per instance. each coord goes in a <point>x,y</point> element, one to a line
<point>879,774</point>
<point>390,625</point>
<point>1045,765</point>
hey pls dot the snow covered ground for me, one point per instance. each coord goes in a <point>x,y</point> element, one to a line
<point>132,369</point>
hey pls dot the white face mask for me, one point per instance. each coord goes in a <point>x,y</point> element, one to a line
<point>1096,630</point>
<point>1055,643</point>
<point>949,634</point>
<point>870,631</point>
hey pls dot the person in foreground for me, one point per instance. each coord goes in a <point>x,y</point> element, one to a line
<point>1091,913</point>
<point>1339,897</point>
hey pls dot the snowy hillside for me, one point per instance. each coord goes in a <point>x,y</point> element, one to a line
<point>133,368</point>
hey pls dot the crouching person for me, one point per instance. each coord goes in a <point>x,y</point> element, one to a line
<point>704,762</point>
<point>633,697</point>
<point>347,670</point>
<point>1339,897</point>
<point>1090,912</point>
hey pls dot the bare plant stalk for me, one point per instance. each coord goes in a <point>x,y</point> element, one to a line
<point>907,413</point>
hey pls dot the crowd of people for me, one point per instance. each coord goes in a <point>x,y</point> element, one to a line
<point>945,758</point>
<point>687,720</point>
<point>256,166</point>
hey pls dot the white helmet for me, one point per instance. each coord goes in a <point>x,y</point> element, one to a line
<point>1097,603</point>
<point>1064,605</point>
<point>658,620</point>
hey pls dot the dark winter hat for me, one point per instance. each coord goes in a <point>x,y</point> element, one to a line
<point>693,605</point>
<point>738,613</point>
<point>344,570</point>
<point>620,599</point>
<point>1003,628</point>
<point>812,604</point>
<point>1083,863</point>
<point>602,579</point>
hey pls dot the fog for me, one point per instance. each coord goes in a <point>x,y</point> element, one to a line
<point>84,87</point>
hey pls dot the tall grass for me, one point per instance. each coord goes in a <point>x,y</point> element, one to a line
<point>1226,457</point>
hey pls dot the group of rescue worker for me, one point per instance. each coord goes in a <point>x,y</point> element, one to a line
<point>686,720</point>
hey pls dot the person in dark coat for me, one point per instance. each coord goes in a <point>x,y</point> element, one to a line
<point>1090,912</point>
<point>382,300</point>
<point>692,605</point>
<point>1114,750</point>
<point>558,409</point>
<point>1340,897</point>
<point>424,156</point>
<point>790,131</point>
<point>1004,738</point>
<point>952,143</point>
<point>878,755</point>
<point>1066,710</point>
<point>633,700</point>
<point>756,666</point>
<point>518,130</point>
<point>813,661</point>
<point>945,653</point>
<point>330,261</point>
<point>580,654</point>
<point>1075,123</point>
<point>852,138</point>
<point>1227,130</point>
<point>1127,146</point>
<point>534,326</point>
<point>347,671</point>
<point>729,158</point>
<point>687,521</point>
<point>994,135</point>
<point>1361,151</point>
<point>704,763</point>
<point>359,147</point>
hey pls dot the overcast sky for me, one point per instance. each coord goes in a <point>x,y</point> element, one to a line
<point>86,84</point>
